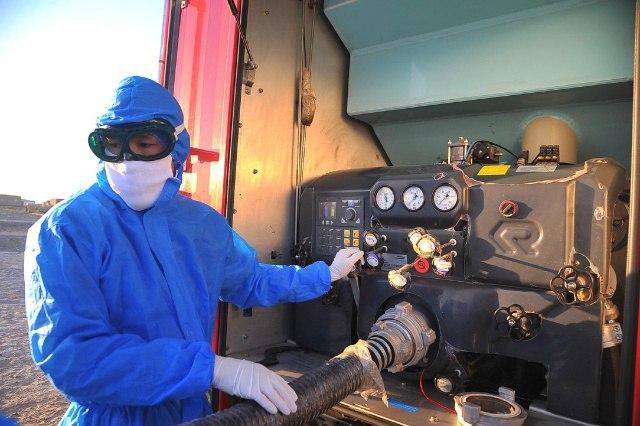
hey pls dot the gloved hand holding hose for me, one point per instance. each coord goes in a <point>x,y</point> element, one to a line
<point>345,262</point>
<point>254,381</point>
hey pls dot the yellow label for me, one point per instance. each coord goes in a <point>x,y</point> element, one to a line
<point>356,233</point>
<point>356,242</point>
<point>347,233</point>
<point>494,170</point>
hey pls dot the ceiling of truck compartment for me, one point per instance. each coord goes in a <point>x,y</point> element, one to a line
<point>388,20</point>
<point>424,71</point>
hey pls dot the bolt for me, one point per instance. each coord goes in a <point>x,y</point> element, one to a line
<point>598,213</point>
<point>433,419</point>
<point>443,384</point>
<point>239,125</point>
<point>247,91</point>
<point>245,337</point>
<point>260,90</point>
<point>266,11</point>
<point>255,171</point>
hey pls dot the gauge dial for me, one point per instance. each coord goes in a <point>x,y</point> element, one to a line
<point>373,260</point>
<point>445,198</point>
<point>385,198</point>
<point>413,198</point>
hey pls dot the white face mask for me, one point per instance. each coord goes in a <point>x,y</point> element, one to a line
<point>139,183</point>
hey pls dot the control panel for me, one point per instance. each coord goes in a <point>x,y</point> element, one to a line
<point>514,268</point>
<point>340,224</point>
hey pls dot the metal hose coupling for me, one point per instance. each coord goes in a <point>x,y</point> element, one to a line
<point>400,337</point>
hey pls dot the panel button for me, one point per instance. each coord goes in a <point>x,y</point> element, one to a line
<point>346,233</point>
<point>356,242</point>
<point>356,233</point>
<point>347,242</point>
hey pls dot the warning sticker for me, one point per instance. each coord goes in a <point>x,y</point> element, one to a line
<point>494,170</point>
<point>393,261</point>
<point>538,168</point>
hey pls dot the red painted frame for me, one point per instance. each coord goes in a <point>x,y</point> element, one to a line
<point>204,84</point>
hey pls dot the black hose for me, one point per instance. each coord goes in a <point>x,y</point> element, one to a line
<point>317,391</point>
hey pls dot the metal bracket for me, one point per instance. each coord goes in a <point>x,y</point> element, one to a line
<point>248,76</point>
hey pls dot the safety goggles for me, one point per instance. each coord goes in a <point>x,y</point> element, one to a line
<point>147,141</point>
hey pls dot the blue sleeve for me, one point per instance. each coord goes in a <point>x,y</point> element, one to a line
<point>74,344</point>
<point>249,283</point>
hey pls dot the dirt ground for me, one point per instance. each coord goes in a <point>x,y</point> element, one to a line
<point>25,393</point>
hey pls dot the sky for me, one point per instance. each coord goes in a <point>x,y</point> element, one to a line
<point>60,61</point>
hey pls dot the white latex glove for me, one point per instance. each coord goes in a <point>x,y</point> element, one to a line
<point>345,262</point>
<point>254,381</point>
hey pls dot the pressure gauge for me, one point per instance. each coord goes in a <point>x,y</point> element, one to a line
<point>385,198</point>
<point>373,259</point>
<point>445,198</point>
<point>413,198</point>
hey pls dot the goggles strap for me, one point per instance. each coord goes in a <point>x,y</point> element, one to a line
<point>179,129</point>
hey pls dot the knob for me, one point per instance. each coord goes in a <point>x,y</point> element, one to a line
<point>399,279</point>
<point>508,208</point>
<point>421,265</point>
<point>350,214</point>
<point>371,238</point>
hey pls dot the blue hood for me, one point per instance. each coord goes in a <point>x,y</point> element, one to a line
<point>139,99</point>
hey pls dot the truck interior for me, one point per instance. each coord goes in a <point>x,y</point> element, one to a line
<point>484,157</point>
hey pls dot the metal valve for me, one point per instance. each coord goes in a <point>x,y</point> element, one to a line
<point>400,278</point>
<point>516,323</point>
<point>573,286</point>
<point>442,264</point>
<point>423,243</point>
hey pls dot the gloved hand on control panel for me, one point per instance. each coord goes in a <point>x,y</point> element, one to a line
<point>345,262</point>
<point>254,381</point>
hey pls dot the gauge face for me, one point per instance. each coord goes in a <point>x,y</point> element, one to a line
<point>445,198</point>
<point>413,198</point>
<point>385,198</point>
<point>373,260</point>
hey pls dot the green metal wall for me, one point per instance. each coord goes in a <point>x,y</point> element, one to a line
<point>422,71</point>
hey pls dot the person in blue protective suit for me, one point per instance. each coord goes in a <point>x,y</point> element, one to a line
<point>122,280</point>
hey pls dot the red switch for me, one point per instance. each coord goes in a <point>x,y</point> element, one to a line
<point>508,208</point>
<point>421,265</point>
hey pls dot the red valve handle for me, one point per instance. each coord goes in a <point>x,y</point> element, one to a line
<point>508,208</point>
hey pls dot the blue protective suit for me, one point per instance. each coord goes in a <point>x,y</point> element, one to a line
<point>121,304</point>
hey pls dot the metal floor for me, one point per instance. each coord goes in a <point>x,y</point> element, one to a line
<point>407,406</point>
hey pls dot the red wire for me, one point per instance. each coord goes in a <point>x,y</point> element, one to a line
<point>433,401</point>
